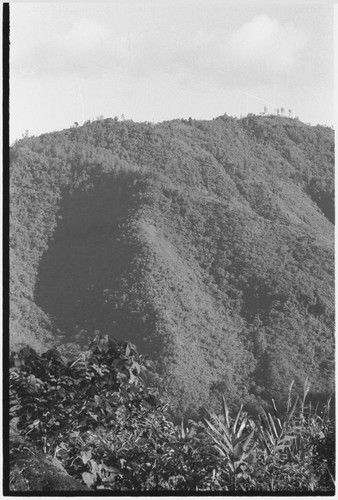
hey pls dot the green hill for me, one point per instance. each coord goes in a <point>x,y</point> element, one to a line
<point>209,244</point>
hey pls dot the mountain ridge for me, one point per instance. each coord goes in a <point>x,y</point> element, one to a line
<point>207,243</point>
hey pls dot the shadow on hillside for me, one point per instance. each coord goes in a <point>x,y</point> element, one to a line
<point>325,203</point>
<point>84,274</point>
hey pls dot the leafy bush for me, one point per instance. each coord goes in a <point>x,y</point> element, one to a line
<point>98,416</point>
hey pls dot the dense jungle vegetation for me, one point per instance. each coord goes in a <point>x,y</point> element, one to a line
<point>90,421</point>
<point>208,245</point>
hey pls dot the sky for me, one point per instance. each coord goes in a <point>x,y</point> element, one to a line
<point>155,60</point>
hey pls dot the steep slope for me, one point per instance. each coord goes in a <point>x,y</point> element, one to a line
<point>207,243</point>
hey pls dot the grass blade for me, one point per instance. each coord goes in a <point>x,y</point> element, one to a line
<point>291,412</point>
<point>288,406</point>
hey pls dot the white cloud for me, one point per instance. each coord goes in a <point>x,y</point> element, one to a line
<point>87,46</point>
<point>265,42</point>
<point>262,49</point>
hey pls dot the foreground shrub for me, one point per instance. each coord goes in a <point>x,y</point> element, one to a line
<point>98,416</point>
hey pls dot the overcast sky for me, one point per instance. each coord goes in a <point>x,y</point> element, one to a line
<point>163,59</point>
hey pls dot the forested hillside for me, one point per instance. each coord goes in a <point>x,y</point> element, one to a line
<point>208,244</point>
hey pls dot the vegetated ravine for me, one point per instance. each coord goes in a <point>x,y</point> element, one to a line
<point>209,244</point>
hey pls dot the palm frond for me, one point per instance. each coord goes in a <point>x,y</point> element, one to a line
<point>226,412</point>
<point>217,435</point>
<point>237,418</point>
